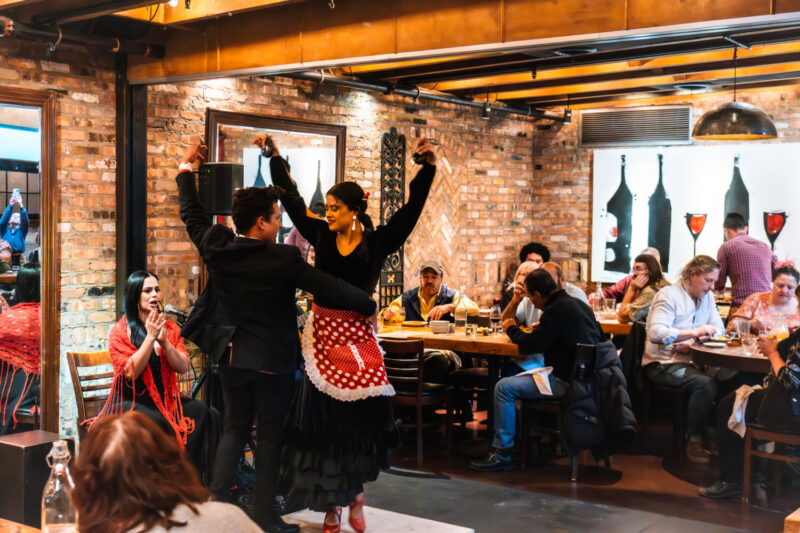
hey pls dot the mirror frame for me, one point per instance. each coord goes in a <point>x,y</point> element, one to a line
<point>216,118</point>
<point>49,253</point>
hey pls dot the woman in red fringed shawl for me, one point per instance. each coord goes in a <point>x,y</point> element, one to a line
<point>20,355</point>
<point>147,351</point>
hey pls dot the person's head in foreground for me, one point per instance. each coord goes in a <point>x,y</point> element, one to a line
<point>131,473</point>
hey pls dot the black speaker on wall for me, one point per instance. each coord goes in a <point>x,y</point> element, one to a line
<point>217,183</point>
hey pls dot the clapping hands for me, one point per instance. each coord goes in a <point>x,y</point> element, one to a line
<point>155,325</point>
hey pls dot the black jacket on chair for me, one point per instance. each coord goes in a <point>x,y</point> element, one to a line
<point>249,299</point>
<point>597,411</point>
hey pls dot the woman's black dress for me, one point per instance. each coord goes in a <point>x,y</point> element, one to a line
<point>334,447</point>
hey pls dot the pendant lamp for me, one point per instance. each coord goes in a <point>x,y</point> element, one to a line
<point>735,121</point>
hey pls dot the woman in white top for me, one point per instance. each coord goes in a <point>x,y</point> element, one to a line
<point>131,476</point>
<point>680,315</point>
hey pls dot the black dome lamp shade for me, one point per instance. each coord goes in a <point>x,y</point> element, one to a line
<point>735,121</point>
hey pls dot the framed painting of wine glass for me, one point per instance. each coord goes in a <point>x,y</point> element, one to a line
<point>314,152</point>
<point>675,199</point>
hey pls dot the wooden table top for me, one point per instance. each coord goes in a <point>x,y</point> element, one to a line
<point>458,342</point>
<point>730,357</point>
<point>489,344</point>
<point>9,277</point>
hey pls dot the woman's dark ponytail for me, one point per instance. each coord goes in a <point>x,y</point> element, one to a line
<point>365,220</point>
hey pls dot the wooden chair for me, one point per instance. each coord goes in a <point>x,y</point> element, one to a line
<point>530,409</point>
<point>678,400</point>
<point>96,381</point>
<point>757,432</point>
<point>404,361</point>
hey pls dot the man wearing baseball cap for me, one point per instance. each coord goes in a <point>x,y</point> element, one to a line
<point>432,299</point>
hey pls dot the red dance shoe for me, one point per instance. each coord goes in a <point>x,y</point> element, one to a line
<point>336,527</point>
<point>359,524</point>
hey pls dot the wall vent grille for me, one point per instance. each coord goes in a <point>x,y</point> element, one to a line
<point>636,126</point>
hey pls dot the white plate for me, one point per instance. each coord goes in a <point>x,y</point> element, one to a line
<point>714,344</point>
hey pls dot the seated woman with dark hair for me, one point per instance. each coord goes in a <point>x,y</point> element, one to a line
<point>20,353</point>
<point>147,353</point>
<point>761,308</point>
<point>132,477</point>
<point>647,281</point>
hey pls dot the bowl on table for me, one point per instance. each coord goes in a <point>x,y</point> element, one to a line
<point>439,326</point>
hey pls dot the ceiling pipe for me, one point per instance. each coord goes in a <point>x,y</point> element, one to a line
<point>92,11</point>
<point>415,93</point>
<point>11,28</point>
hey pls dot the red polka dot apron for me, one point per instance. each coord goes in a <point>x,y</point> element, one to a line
<point>342,355</point>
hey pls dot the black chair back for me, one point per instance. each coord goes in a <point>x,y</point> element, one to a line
<point>403,360</point>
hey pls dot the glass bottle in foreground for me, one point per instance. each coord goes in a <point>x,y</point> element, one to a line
<point>58,513</point>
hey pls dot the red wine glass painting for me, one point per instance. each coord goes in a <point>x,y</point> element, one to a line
<point>695,222</point>
<point>774,222</point>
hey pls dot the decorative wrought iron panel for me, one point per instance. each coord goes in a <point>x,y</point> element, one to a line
<point>393,194</point>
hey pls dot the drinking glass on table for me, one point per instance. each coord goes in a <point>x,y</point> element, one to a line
<point>495,313</point>
<point>749,343</point>
<point>401,315</point>
<point>742,327</point>
<point>611,306</point>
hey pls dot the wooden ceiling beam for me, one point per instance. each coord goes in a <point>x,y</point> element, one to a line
<point>199,10</point>
<point>311,35</point>
<point>675,70</point>
<point>641,91</point>
<point>618,66</point>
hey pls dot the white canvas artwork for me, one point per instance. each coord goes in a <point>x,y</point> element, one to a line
<point>696,180</point>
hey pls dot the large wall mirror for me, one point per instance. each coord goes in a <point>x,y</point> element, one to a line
<point>315,153</point>
<point>29,318</point>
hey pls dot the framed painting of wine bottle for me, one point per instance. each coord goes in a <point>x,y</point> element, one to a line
<point>674,199</point>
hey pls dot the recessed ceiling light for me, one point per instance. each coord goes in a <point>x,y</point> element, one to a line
<point>574,51</point>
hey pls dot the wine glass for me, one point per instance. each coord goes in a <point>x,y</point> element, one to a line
<point>695,222</point>
<point>495,313</point>
<point>774,221</point>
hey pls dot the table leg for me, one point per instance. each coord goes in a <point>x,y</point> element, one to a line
<point>494,377</point>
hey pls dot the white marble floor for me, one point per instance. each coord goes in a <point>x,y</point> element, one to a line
<point>378,520</point>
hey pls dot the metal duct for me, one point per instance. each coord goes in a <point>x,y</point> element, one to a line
<point>11,28</point>
<point>636,126</point>
<point>92,11</point>
<point>386,88</point>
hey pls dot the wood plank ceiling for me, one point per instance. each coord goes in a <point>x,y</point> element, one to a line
<point>535,53</point>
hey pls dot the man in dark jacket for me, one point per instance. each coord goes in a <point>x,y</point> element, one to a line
<point>432,299</point>
<point>565,322</point>
<point>245,320</point>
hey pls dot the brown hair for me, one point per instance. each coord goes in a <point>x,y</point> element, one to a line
<point>699,265</point>
<point>654,273</point>
<point>129,472</point>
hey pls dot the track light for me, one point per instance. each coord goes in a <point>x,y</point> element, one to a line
<point>173,3</point>
<point>486,110</point>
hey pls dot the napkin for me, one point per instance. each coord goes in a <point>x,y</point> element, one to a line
<point>541,378</point>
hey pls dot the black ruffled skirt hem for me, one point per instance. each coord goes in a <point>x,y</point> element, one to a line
<point>333,448</point>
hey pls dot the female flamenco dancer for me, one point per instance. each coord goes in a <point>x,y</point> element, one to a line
<point>147,352</point>
<point>340,427</point>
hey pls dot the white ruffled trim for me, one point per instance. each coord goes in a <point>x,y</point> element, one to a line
<point>325,387</point>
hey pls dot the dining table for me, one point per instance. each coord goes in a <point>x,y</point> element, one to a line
<point>8,525</point>
<point>494,347</point>
<point>733,357</point>
<point>8,278</point>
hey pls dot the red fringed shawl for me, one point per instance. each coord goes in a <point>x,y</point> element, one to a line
<point>121,349</point>
<point>20,334</point>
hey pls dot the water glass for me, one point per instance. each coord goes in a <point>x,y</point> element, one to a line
<point>611,305</point>
<point>749,344</point>
<point>742,327</point>
<point>471,330</point>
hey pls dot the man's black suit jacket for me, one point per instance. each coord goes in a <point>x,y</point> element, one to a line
<point>249,298</point>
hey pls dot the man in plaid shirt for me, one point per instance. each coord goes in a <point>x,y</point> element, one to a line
<point>747,261</point>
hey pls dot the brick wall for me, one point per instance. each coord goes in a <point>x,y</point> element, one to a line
<point>478,213</point>
<point>85,176</point>
<point>562,175</point>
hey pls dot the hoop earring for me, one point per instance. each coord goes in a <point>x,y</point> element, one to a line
<point>354,223</point>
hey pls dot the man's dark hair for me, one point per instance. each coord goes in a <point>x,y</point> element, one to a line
<point>29,281</point>
<point>534,248</point>
<point>253,202</point>
<point>540,281</point>
<point>734,221</point>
